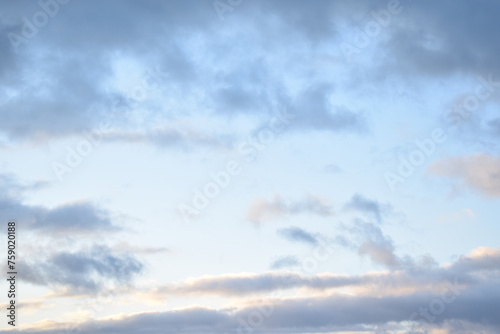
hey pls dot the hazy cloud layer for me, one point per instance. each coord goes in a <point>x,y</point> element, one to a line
<point>460,289</point>
<point>477,268</point>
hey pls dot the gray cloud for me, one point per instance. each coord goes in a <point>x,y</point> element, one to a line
<point>85,271</point>
<point>79,217</point>
<point>299,235</point>
<point>75,217</point>
<point>285,262</point>
<point>368,207</point>
<point>444,44</point>
<point>369,240</point>
<point>75,84</point>
<point>312,110</point>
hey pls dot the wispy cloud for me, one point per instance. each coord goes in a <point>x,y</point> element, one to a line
<point>264,210</point>
<point>297,234</point>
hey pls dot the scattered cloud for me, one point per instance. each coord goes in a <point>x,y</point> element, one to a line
<point>172,74</point>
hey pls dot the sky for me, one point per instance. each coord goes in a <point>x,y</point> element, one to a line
<point>251,166</point>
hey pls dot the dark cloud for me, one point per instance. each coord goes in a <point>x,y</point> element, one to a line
<point>446,38</point>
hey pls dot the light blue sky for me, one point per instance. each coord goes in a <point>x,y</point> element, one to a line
<point>172,93</point>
